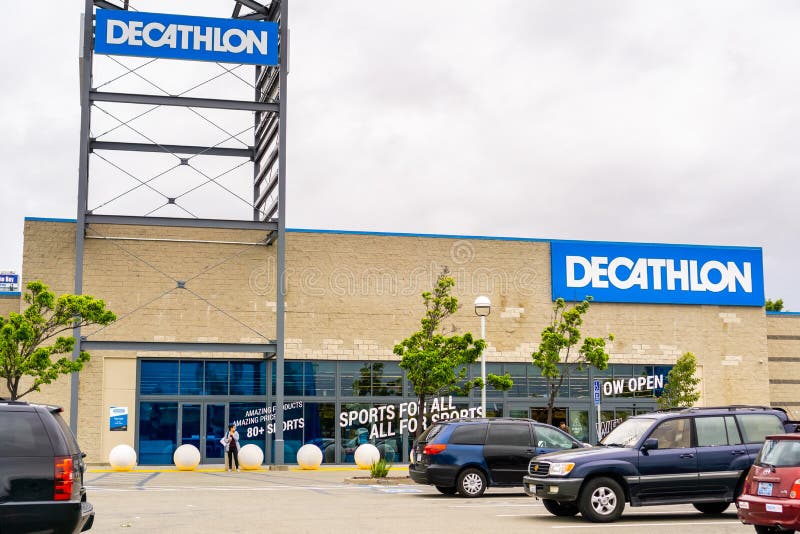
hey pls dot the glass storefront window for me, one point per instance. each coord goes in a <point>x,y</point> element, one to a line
<point>320,379</point>
<point>355,434</point>
<point>216,378</point>
<point>319,428</point>
<point>158,432</point>
<point>520,378</point>
<point>191,377</point>
<point>387,379</point>
<point>292,378</point>
<point>159,378</point>
<point>352,381</point>
<point>227,384</point>
<point>578,384</point>
<point>579,424</point>
<point>249,418</point>
<point>247,378</point>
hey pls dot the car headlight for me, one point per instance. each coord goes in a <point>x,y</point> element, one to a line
<point>561,469</point>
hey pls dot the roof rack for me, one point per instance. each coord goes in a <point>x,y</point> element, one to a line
<point>730,408</point>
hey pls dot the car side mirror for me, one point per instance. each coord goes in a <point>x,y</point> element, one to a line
<point>649,444</point>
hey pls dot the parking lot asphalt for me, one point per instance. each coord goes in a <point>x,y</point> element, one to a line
<point>322,501</point>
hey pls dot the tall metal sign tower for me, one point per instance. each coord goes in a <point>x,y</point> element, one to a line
<point>254,37</point>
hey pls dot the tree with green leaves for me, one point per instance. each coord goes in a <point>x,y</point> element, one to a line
<point>680,390</point>
<point>559,354</point>
<point>774,305</point>
<point>29,340</point>
<point>436,364</point>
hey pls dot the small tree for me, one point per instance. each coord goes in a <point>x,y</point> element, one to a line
<point>680,391</point>
<point>24,338</point>
<point>435,363</point>
<point>774,305</point>
<point>557,356</point>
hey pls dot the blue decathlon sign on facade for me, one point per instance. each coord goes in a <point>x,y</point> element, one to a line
<point>132,33</point>
<point>657,274</point>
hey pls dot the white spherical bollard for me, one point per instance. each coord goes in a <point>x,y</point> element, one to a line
<point>122,458</point>
<point>309,456</point>
<point>251,456</point>
<point>366,455</point>
<point>186,457</point>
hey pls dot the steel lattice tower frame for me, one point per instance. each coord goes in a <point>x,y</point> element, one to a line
<point>268,153</point>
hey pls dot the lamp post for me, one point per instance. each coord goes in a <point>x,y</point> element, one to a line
<point>483,307</point>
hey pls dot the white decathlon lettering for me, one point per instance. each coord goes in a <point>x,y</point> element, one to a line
<point>572,261</point>
<point>147,34</point>
<point>745,279</point>
<point>657,273</point>
<point>113,25</point>
<point>186,37</point>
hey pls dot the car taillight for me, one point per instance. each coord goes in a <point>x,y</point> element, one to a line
<point>794,493</point>
<point>434,448</point>
<point>748,484</point>
<point>63,478</point>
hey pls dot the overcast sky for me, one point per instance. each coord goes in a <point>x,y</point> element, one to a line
<point>668,122</point>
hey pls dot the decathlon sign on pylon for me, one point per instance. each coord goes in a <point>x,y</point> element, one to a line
<point>132,33</point>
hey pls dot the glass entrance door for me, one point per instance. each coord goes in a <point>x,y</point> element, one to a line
<point>216,419</point>
<point>190,424</point>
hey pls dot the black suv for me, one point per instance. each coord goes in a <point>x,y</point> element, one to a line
<point>467,455</point>
<point>696,455</point>
<point>41,472</point>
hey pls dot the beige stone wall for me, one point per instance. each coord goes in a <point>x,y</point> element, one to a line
<point>336,278</point>
<point>352,296</point>
<point>783,342</point>
<point>9,304</point>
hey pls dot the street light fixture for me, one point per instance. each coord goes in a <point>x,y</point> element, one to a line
<point>483,307</point>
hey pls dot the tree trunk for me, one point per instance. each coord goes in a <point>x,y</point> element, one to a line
<point>13,387</point>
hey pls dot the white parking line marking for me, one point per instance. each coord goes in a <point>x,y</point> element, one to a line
<point>639,525</point>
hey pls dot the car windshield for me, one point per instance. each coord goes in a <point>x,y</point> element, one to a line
<point>628,433</point>
<point>779,453</point>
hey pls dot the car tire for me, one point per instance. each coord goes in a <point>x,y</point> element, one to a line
<point>560,509</point>
<point>712,507</point>
<point>447,490</point>
<point>601,500</point>
<point>471,483</point>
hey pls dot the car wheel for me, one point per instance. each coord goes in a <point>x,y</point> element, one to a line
<point>712,507</point>
<point>471,483</point>
<point>560,509</point>
<point>447,490</point>
<point>762,529</point>
<point>601,500</point>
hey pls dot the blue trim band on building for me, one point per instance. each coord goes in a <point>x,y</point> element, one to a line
<point>10,294</point>
<point>783,313</point>
<point>51,219</point>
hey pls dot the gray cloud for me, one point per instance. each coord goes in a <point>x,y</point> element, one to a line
<point>625,121</point>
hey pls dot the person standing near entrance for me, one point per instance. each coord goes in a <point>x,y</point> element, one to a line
<point>231,443</point>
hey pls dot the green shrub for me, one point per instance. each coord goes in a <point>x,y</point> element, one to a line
<point>379,469</point>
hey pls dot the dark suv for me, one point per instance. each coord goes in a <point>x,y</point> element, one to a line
<point>697,455</point>
<point>468,455</point>
<point>41,472</point>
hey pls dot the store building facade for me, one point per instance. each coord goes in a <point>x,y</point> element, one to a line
<point>351,296</point>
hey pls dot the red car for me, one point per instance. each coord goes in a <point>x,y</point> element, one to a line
<point>770,498</point>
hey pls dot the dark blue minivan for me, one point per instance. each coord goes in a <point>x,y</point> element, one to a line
<point>466,456</point>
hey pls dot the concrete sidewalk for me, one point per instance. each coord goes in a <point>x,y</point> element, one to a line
<point>218,468</point>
